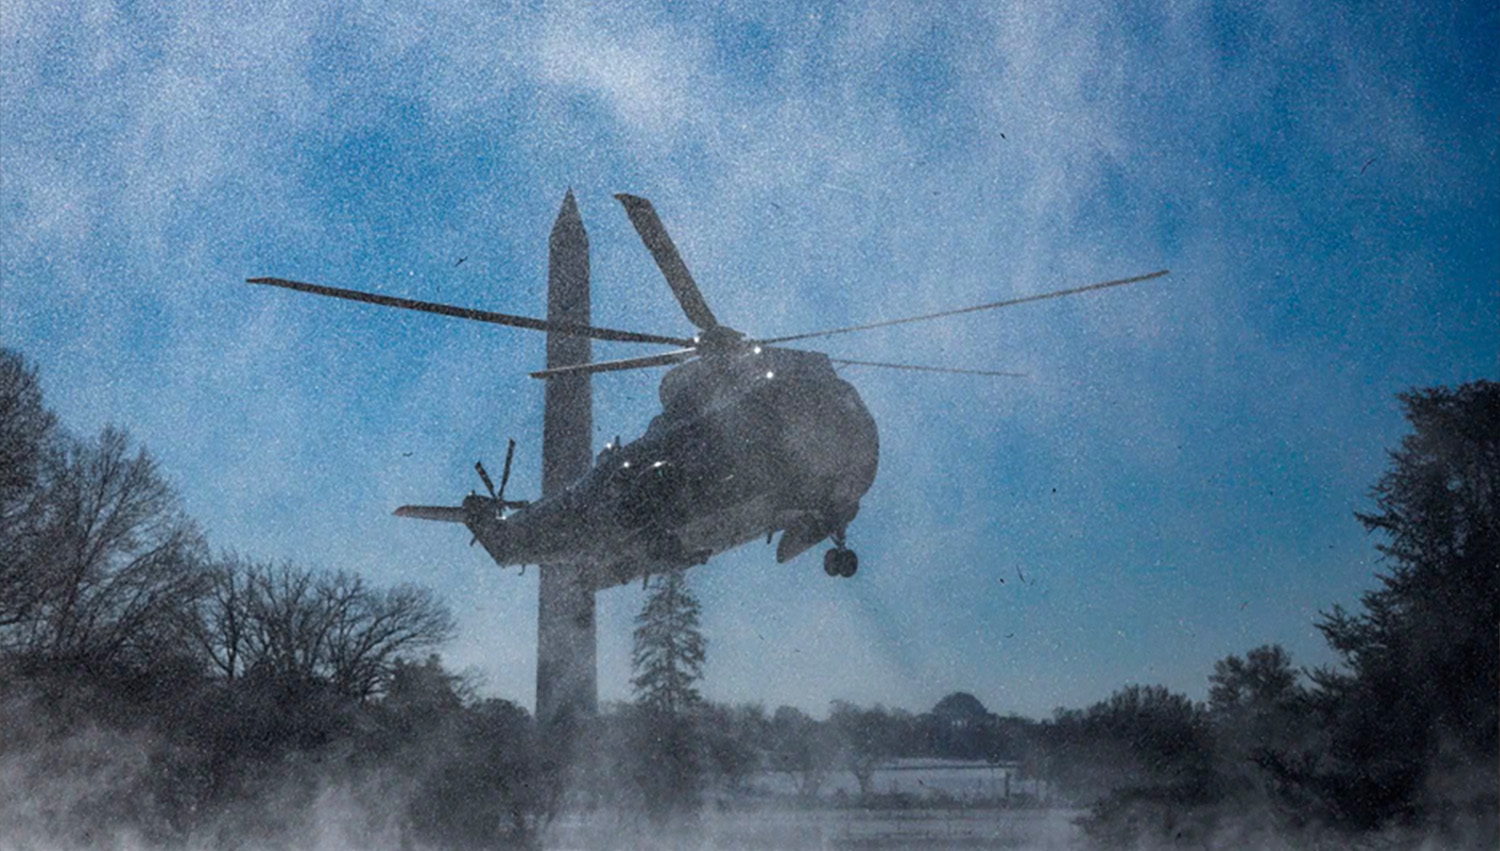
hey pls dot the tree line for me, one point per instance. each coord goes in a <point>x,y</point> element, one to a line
<point>155,688</point>
<point>1401,738</point>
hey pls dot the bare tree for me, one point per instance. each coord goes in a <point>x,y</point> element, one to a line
<point>371,629</point>
<point>27,435</point>
<point>865,741</point>
<point>300,625</point>
<point>287,622</point>
<point>223,625</point>
<point>118,566</point>
<point>26,429</point>
<point>802,747</point>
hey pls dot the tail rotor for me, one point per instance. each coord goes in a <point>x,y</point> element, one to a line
<point>485,477</point>
<point>498,496</point>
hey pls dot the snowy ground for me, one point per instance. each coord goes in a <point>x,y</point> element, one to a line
<point>793,830</point>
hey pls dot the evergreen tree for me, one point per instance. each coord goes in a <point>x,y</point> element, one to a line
<point>1412,716</point>
<point>669,647</point>
<point>668,660</point>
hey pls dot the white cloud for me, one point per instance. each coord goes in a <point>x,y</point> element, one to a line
<point>648,74</point>
<point>811,180</point>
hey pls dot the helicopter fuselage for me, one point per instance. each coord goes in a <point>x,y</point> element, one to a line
<point>748,443</point>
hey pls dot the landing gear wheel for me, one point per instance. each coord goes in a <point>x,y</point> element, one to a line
<point>831,563</point>
<point>850,563</point>
<point>840,562</point>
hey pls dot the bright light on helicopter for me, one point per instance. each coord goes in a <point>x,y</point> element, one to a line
<point>755,350</point>
<point>770,375</point>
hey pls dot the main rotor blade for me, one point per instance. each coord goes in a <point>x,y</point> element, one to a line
<point>510,454</point>
<point>953,370</point>
<point>654,234</point>
<point>991,306</point>
<point>569,328</point>
<point>616,365</point>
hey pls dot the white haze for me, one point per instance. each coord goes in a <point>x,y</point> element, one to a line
<point>156,155</point>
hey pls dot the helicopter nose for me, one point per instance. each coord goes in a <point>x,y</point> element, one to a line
<point>862,453</point>
<point>831,437</point>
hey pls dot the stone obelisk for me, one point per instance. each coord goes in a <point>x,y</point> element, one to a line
<point>566,669</point>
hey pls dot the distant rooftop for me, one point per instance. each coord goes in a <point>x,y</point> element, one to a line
<point>960,704</point>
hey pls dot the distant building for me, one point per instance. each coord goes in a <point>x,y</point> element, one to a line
<point>963,781</point>
<point>960,711</point>
<point>960,727</point>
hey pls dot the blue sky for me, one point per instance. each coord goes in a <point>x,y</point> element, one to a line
<point>1175,480</point>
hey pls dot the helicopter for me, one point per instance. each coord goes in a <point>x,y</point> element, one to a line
<point>753,438</point>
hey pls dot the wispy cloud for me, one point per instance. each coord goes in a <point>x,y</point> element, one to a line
<point>817,167</point>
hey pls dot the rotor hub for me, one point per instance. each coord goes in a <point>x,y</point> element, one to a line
<point>719,339</point>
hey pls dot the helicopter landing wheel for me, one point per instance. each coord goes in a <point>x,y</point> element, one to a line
<point>851,564</point>
<point>840,562</point>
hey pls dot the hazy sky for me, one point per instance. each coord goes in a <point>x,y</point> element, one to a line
<point>1175,480</point>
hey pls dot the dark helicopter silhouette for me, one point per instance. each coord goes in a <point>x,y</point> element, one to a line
<point>753,439</point>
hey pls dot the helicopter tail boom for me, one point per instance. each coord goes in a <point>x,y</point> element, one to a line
<point>441,513</point>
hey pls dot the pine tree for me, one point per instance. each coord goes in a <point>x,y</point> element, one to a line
<point>669,647</point>
<point>1411,715</point>
<point>668,660</point>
